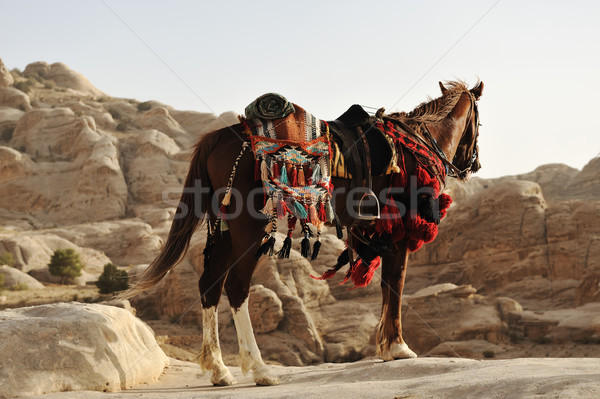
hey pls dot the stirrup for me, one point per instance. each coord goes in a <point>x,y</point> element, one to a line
<point>367,197</point>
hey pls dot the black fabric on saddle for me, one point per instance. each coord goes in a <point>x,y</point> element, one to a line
<point>345,133</point>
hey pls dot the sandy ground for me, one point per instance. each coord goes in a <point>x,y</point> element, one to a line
<point>414,378</point>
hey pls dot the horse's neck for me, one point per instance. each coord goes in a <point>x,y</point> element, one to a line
<point>449,130</point>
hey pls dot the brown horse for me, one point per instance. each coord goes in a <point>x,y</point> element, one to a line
<point>448,124</point>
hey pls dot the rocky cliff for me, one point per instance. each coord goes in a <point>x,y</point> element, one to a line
<point>517,259</point>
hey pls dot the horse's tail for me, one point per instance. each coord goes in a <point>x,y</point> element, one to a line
<point>186,220</point>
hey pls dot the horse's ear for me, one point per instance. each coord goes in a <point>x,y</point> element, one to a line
<point>477,90</point>
<point>444,90</point>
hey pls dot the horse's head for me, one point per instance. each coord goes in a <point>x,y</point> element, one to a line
<point>466,158</point>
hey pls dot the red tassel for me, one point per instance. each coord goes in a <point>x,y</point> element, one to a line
<point>444,202</point>
<point>294,181</point>
<point>398,233</point>
<point>414,245</point>
<point>291,221</point>
<point>322,214</point>
<point>276,170</point>
<point>310,172</point>
<point>399,179</point>
<point>326,276</point>
<point>257,169</point>
<point>390,216</point>
<point>363,274</point>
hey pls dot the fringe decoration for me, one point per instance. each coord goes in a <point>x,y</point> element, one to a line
<point>257,169</point>
<point>284,252</point>
<point>313,216</point>
<point>316,174</point>
<point>284,178</point>
<point>268,209</point>
<point>227,198</point>
<point>305,247</point>
<point>301,177</point>
<point>342,260</point>
<point>444,202</point>
<point>300,210</point>
<point>362,274</point>
<point>276,171</point>
<point>309,174</point>
<point>266,247</point>
<point>224,226</point>
<point>294,182</point>
<point>390,214</point>
<point>264,171</point>
<point>329,211</point>
<point>315,251</point>
<point>322,214</point>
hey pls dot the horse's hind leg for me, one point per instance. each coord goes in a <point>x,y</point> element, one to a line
<point>211,285</point>
<point>237,287</point>
<point>390,344</point>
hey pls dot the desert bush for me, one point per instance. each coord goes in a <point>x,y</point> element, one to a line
<point>19,287</point>
<point>65,263</point>
<point>122,126</point>
<point>7,133</point>
<point>7,258</point>
<point>488,354</point>
<point>112,279</point>
<point>145,106</point>
<point>24,86</point>
<point>114,113</point>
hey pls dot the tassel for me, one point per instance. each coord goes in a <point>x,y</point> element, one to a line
<point>291,223</point>
<point>301,178</point>
<point>284,178</point>
<point>268,209</point>
<point>226,199</point>
<point>294,177</point>
<point>322,214</point>
<point>315,251</point>
<point>362,274</point>
<point>314,217</point>
<point>264,171</point>
<point>224,226</point>
<point>309,173</point>
<point>316,174</point>
<point>284,252</point>
<point>305,247</point>
<point>390,216</point>
<point>276,170</point>
<point>266,247</point>
<point>329,211</point>
<point>299,210</point>
<point>342,260</point>
<point>257,169</point>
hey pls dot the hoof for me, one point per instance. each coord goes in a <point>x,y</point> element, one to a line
<point>398,351</point>
<point>263,377</point>
<point>222,378</point>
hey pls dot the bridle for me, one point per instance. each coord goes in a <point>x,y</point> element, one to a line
<point>451,169</point>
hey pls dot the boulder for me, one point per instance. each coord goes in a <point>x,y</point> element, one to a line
<point>8,122</point>
<point>63,76</point>
<point>14,98</point>
<point>16,278</point>
<point>266,310</point>
<point>75,346</point>
<point>6,79</point>
<point>475,348</point>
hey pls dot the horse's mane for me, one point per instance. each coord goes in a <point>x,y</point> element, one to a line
<point>434,110</point>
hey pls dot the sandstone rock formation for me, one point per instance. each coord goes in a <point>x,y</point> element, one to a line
<point>14,278</point>
<point>63,76</point>
<point>73,346</point>
<point>6,78</point>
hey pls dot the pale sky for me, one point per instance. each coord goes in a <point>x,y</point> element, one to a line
<point>537,59</point>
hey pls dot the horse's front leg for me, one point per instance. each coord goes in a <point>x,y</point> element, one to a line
<point>237,286</point>
<point>390,344</point>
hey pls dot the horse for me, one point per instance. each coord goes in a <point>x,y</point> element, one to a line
<point>447,125</point>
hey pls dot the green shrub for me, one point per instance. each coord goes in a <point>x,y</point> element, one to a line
<point>145,106</point>
<point>65,263</point>
<point>7,258</point>
<point>112,279</point>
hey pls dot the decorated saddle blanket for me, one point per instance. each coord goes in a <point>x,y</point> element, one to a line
<point>292,157</point>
